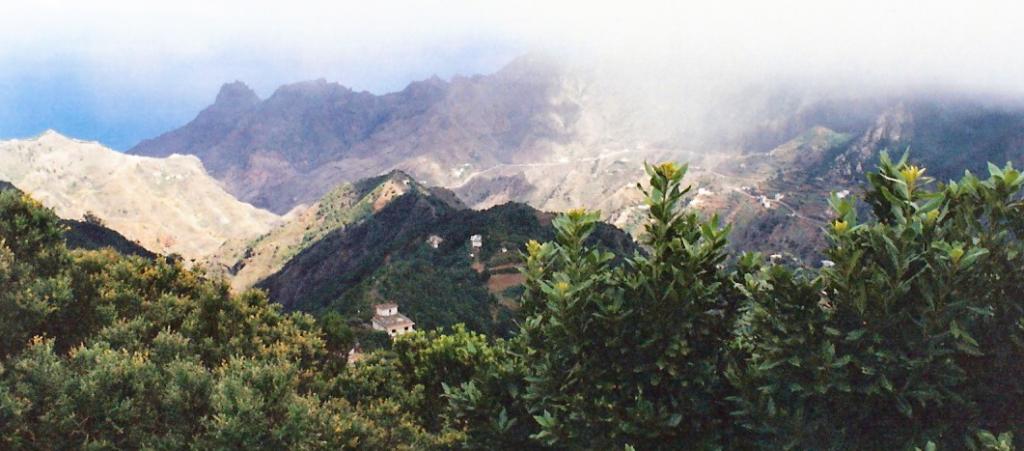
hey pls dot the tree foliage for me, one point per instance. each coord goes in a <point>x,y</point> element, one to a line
<point>911,336</point>
<point>102,351</point>
<point>630,355</point>
<point>914,329</point>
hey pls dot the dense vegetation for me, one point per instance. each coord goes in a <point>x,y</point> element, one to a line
<point>104,351</point>
<point>912,336</point>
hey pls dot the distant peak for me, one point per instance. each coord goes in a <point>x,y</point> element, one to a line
<point>427,85</point>
<point>236,93</point>
<point>317,85</point>
<point>401,176</point>
<point>531,65</point>
<point>395,175</point>
<point>52,135</point>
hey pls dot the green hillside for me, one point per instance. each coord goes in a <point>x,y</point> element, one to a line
<point>387,256</point>
<point>247,262</point>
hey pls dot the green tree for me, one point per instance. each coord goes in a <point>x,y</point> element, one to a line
<point>33,271</point>
<point>909,337</point>
<point>631,354</point>
<point>489,409</point>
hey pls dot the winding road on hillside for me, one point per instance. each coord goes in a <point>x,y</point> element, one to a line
<point>792,211</point>
<point>543,164</point>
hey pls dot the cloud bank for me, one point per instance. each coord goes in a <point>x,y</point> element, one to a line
<point>121,71</point>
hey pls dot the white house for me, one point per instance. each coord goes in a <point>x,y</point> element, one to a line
<point>387,319</point>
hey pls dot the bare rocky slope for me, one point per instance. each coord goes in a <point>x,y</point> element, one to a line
<point>168,205</point>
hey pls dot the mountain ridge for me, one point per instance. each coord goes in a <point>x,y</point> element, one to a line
<point>323,133</point>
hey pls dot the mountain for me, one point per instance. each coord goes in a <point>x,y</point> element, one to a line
<point>559,135</point>
<point>168,205</point>
<point>292,147</point>
<point>391,238</point>
<point>92,235</point>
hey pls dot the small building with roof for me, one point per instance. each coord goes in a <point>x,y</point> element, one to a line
<point>476,241</point>
<point>387,319</point>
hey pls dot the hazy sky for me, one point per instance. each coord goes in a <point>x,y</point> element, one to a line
<point>118,71</point>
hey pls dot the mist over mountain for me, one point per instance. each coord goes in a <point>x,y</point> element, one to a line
<point>561,133</point>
